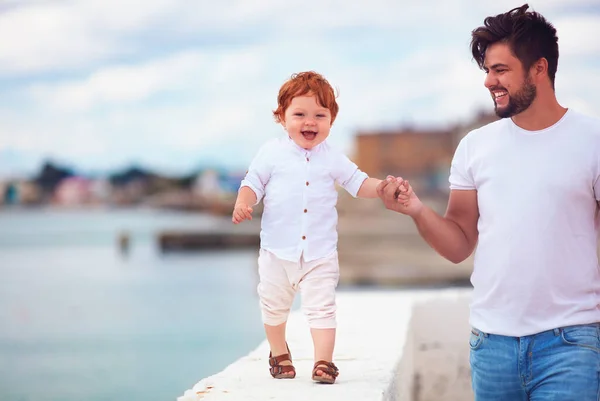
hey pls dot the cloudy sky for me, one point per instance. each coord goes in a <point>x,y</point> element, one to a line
<point>173,85</point>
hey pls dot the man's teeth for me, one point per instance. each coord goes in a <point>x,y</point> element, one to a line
<point>499,94</point>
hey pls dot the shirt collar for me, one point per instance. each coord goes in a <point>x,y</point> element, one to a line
<point>301,149</point>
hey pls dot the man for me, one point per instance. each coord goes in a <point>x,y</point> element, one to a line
<point>525,190</point>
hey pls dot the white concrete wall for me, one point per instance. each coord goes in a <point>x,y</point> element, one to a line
<point>391,345</point>
<point>440,336</point>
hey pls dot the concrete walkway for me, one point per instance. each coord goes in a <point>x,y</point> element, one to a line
<point>372,333</point>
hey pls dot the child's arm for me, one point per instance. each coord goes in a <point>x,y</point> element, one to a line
<point>368,189</point>
<point>352,179</point>
<point>242,209</point>
<point>252,187</point>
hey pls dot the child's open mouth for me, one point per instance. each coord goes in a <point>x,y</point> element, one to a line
<point>309,135</point>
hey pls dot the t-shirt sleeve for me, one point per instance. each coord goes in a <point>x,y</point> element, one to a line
<point>258,173</point>
<point>347,174</point>
<point>461,177</point>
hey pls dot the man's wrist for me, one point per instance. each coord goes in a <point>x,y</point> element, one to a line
<point>418,214</point>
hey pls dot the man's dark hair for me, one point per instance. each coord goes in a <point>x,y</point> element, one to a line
<point>528,34</point>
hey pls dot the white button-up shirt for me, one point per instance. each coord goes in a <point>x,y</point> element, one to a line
<point>298,187</point>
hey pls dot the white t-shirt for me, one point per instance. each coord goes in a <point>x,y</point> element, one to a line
<point>298,186</point>
<point>536,264</point>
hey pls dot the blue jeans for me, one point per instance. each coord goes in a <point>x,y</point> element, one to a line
<point>556,365</point>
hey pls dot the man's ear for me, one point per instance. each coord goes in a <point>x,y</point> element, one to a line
<point>540,68</point>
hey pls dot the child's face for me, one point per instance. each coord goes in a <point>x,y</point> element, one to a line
<point>307,122</point>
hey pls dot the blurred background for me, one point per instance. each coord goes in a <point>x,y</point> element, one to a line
<point>126,127</point>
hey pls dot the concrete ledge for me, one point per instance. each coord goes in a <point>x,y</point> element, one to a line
<point>391,345</point>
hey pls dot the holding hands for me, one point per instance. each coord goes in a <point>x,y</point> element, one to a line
<point>397,195</point>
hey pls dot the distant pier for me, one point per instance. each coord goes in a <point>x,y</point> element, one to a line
<point>189,241</point>
<point>219,235</point>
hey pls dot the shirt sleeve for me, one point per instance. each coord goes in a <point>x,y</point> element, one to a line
<point>347,174</point>
<point>597,182</point>
<point>461,177</point>
<point>258,173</point>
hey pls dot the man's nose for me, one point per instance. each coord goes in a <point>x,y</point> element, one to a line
<point>490,81</point>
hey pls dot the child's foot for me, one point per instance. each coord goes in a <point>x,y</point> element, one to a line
<point>281,366</point>
<point>325,372</point>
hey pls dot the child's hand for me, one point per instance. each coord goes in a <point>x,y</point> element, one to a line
<point>241,212</point>
<point>403,192</point>
<point>408,199</point>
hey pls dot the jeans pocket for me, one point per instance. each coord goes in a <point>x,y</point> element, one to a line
<point>475,339</point>
<point>587,336</point>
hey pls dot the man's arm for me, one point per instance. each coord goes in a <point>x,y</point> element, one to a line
<point>454,235</point>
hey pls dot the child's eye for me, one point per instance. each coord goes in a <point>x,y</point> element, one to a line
<point>320,115</point>
<point>298,114</point>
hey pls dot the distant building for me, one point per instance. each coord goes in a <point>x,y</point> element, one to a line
<point>19,193</point>
<point>3,187</point>
<point>231,182</point>
<point>208,185</point>
<point>423,156</point>
<point>29,193</point>
<point>482,118</point>
<point>73,191</point>
<point>10,193</point>
<point>100,190</point>
<point>49,177</point>
<point>402,152</point>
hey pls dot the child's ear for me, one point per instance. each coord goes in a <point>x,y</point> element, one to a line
<point>282,122</point>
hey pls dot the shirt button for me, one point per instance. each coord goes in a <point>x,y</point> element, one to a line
<point>306,183</point>
<point>304,237</point>
<point>305,210</point>
<point>307,159</point>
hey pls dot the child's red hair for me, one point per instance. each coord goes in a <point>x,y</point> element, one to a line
<point>304,83</point>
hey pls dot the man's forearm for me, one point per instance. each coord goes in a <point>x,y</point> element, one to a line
<point>443,235</point>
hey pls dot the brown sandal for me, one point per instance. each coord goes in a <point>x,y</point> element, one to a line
<point>281,371</point>
<point>325,367</point>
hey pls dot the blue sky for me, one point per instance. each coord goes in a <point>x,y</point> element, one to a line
<point>173,85</point>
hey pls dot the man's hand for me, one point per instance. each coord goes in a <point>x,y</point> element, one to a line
<point>398,195</point>
<point>241,212</point>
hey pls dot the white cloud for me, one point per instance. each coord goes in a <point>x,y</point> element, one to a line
<point>68,35</point>
<point>182,72</point>
<point>117,84</point>
<point>47,37</point>
<point>577,35</point>
<point>176,102</point>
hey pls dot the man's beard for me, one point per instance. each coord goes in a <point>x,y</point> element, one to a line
<point>519,102</point>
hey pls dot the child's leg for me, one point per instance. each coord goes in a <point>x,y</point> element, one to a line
<point>276,339</point>
<point>317,288</point>
<point>276,297</point>
<point>324,342</point>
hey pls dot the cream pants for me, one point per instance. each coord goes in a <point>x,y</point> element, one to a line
<point>281,279</point>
